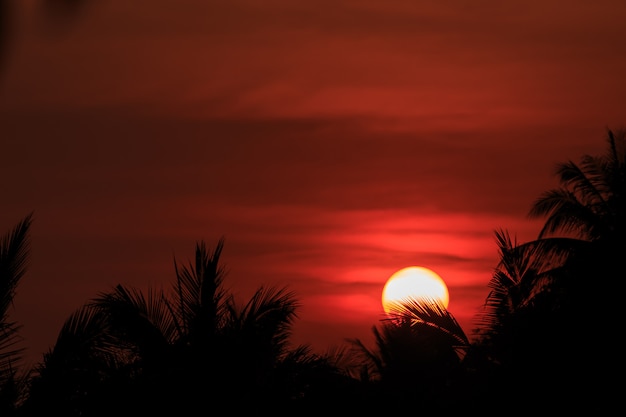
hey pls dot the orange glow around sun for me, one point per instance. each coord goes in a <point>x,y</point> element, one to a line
<point>414,283</point>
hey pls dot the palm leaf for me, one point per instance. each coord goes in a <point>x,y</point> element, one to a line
<point>14,253</point>
<point>83,340</point>
<point>565,213</point>
<point>144,321</point>
<point>198,290</point>
<point>586,180</point>
<point>269,315</point>
<point>14,256</point>
<point>429,313</point>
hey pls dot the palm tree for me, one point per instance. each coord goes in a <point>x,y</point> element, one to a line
<point>590,203</point>
<point>525,281</point>
<point>182,350</point>
<point>589,209</point>
<point>519,335</point>
<point>542,322</point>
<point>14,256</point>
<point>419,351</point>
<point>83,371</point>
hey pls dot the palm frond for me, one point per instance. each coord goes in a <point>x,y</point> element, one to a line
<point>565,213</point>
<point>212,273</point>
<point>270,312</point>
<point>525,274</point>
<point>14,255</point>
<point>83,339</point>
<point>367,362</point>
<point>585,180</point>
<point>198,289</point>
<point>10,350</point>
<point>429,312</point>
<point>144,321</point>
<point>14,385</point>
<point>591,201</point>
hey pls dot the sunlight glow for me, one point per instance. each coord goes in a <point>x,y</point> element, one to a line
<point>414,282</point>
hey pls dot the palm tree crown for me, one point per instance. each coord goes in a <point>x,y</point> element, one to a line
<point>590,203</point>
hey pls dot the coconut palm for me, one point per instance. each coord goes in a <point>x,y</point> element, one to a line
<point>182,350</point>
<point>519,331</point>
<point>590,203</point>
<point>14,256</point>
<point>81,373</point>
<point>524,281</point>
<point>581,240</point>
<point>146,340</point>
<point>589,207</point>
<point>419,350</point>
<point>542,322</point>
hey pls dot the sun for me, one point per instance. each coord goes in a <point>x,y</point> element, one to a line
<point>414,283</point>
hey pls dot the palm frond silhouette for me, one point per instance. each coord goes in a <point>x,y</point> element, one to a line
<point>14,258</point>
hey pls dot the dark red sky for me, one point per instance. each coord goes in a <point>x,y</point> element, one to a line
<point>330,142</point>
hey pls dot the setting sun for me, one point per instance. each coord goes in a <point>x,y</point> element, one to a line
<point>414,283</point>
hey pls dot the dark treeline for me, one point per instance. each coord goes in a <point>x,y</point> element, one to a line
<point>546,339</point>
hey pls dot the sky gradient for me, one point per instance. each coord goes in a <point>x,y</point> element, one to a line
<point>330,143</point>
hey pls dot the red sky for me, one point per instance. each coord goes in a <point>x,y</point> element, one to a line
<point>330,142</point>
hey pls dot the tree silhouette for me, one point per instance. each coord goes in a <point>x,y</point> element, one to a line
<point>591,201</point>
<point>547,338</point>
<point>14,257</point>
<point>589,206</point>
<point>542,320</point>
<point>80,374</point>
<point>182,351</point>
<point>418,355</point>
<point>519,333</point>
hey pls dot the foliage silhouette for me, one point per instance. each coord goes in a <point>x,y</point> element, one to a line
<point>590,207</point>
<point>541,322</point>
<point>180,351</point>
<point>14,258</point>
<point>591,201</point>
<point>419,351</point>
<point>542,341</point>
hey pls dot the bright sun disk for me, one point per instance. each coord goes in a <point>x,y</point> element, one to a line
<point>414,283</point>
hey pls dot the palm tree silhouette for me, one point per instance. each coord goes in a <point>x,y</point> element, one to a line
<point>587,214</point>
<point>182,350</point>
<point>519,331</point>
<point>14,257</point>
<point>81,373</point>
<point>591,201</point>
<point>589,208</point>
<point>419,351</point>
<point>542,319</point>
